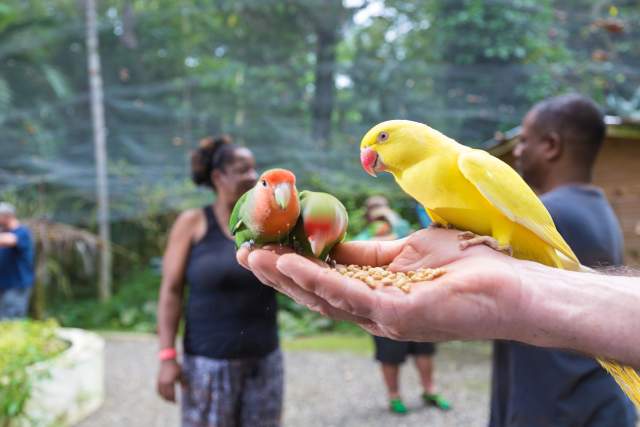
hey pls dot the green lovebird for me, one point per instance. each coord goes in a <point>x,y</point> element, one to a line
<point>322,224</point>
<point>268,212</point>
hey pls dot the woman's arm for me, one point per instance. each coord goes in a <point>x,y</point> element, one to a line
<point>171,293</point>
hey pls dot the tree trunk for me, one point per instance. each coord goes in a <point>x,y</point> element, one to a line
<point>99,139</point>
<point>324,84</point>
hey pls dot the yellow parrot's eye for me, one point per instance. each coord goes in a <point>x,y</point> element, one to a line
<point>383,136</point>
<point>264,183</point>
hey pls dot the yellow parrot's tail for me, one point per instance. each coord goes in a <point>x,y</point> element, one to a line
<point>626,377</point>
<point>571,264</point>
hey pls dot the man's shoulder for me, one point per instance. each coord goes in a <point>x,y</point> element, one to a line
<point>560,203</point>
<point>570,199</point>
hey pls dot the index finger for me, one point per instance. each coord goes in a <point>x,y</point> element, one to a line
<point>349,295</point>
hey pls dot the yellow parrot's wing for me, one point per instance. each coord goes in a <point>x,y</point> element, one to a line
<point>507,191</point>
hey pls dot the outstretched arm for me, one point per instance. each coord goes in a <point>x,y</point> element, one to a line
<point>483,295</point>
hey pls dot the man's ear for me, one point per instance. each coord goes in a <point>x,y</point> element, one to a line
<point>553,146</point>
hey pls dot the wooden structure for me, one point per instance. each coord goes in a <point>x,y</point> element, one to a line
<point>617,171</point>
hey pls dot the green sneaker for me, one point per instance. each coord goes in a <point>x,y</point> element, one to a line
<point>397,406</point>
<point>436,400</point>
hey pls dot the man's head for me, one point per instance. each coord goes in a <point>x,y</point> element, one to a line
<point>560,137</point>
<point>7,214</point>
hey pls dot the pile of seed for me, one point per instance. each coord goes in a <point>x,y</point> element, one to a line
<point>376,277</point>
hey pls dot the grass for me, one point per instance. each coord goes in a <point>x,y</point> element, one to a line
<point>361,344</point>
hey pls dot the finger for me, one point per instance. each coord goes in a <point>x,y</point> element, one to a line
<point>241,255</point>
<point>263,262</point>
<point>375,253</point>
<point>341,292</point>
<point>279,249</point>
<point>166,392</point>
<point>183,380</point>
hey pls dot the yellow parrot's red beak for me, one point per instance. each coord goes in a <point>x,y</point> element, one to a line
<point>371,162</point>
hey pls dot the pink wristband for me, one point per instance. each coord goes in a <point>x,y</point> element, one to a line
<point>167,354</point>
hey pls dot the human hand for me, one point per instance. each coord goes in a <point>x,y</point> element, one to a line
<point>169,375</point>
<point>479,296</point>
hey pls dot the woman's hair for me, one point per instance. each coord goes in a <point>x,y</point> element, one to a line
<point>214,152</point>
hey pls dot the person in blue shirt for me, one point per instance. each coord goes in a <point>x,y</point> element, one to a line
<point>16,264</point>
<point>423,217</point>
<point>535,386</point>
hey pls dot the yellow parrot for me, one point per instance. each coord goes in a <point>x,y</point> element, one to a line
<point>473,191</point>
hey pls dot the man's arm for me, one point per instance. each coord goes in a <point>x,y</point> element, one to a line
<point>8,240</point>
<point>593,313</point>
<point>483,295</point>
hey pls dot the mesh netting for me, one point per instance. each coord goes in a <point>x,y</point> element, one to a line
<point>297,81</point>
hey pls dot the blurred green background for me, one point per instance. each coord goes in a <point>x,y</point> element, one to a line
<point>297,81</point>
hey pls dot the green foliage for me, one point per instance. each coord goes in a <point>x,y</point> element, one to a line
<point>132,307</point>
<point>23,343</point>
<point>263,71</point>
<point>359,343</point>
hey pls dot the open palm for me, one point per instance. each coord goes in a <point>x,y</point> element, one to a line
<point>475,298</point>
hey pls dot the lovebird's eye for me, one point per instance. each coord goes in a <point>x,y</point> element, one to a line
<point>264,183</point>
<point>383,136</point>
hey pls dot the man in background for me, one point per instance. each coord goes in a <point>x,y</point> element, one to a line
<point>532,386</point>
<point>16,264</point>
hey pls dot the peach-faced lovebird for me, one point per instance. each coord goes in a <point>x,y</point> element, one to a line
<point>475,192</point>
<point>267,212</point>
<point>323,224</point>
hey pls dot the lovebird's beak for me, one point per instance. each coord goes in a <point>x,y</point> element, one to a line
<point>282,194</point>
<point>371,162</point>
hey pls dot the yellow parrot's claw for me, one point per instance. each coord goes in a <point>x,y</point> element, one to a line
<point>468,239</point>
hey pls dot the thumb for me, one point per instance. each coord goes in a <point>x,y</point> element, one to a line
<point>374,253</point>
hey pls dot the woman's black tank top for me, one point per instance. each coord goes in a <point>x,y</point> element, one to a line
<point>229,313</point>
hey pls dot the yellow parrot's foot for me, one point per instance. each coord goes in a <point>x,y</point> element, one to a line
<point>468,239</point>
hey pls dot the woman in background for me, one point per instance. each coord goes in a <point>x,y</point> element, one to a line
<point>232,373</point>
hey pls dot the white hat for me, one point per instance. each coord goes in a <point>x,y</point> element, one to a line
<point>7,209</point>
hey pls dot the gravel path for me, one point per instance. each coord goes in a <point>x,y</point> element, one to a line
<point>322,389</point>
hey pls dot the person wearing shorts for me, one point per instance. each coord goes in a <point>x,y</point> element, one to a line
<point>386,224</point>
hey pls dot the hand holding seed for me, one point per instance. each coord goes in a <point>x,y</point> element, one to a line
<point>461,294</point>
